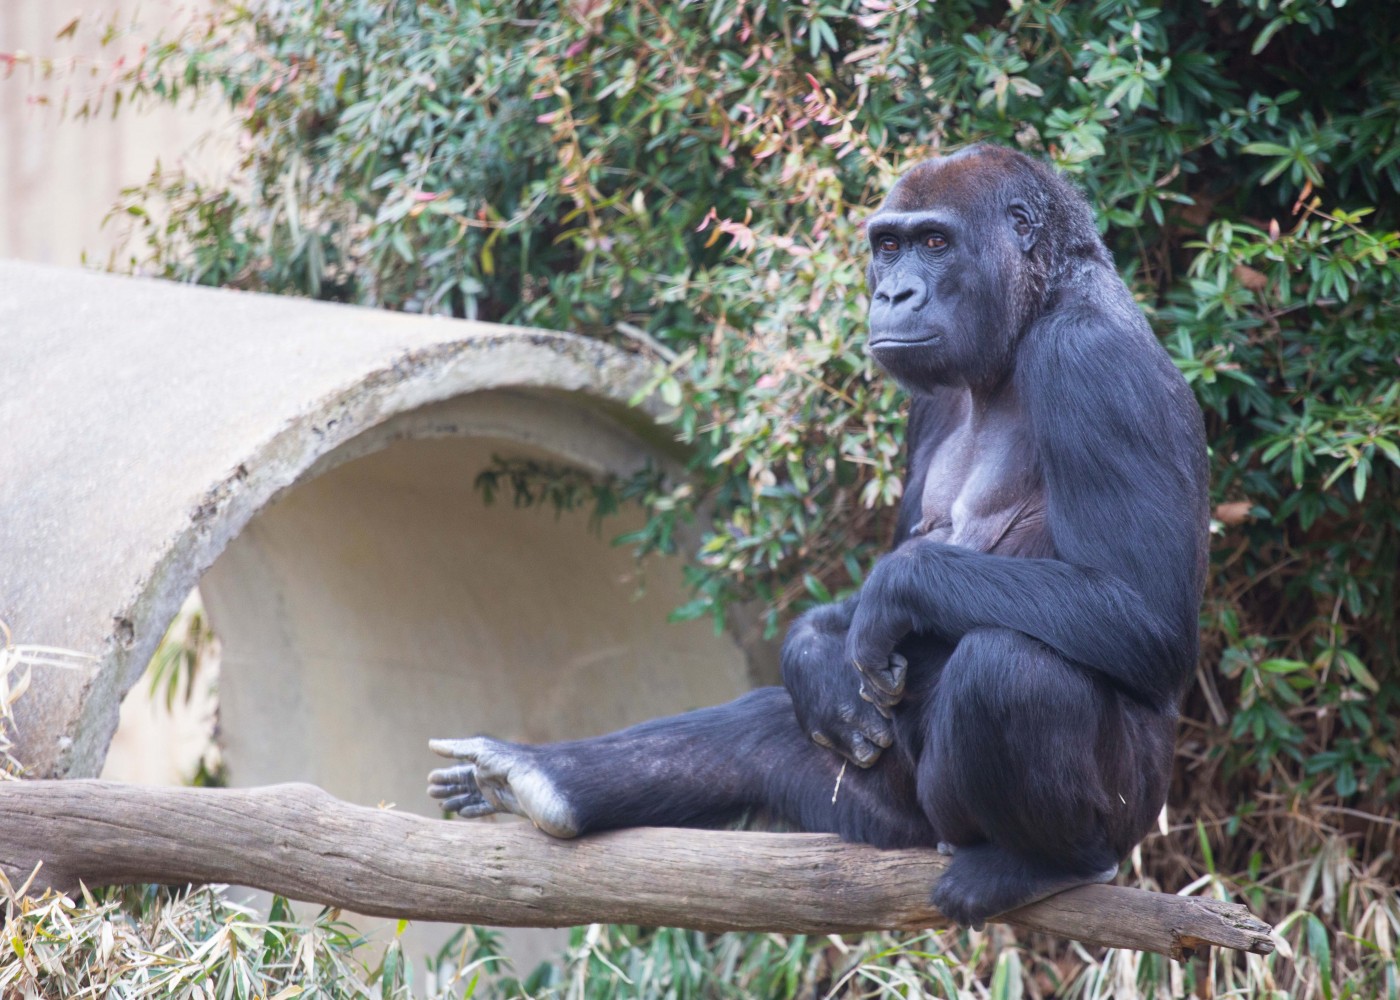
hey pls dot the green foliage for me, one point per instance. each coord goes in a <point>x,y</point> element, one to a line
<point>563,487</point>
<point>689,180</point>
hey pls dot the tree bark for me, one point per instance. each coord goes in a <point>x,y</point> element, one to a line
<point>300,842</point>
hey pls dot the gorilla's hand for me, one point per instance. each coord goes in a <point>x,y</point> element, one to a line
<point>878,624</point>
<point>828,696</point>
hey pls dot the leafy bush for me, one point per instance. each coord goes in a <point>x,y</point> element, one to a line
<point>689,179</point>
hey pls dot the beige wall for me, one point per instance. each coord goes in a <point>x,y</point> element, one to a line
<point>60,176</point>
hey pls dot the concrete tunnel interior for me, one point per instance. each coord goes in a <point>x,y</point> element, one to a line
<point>381,601</point>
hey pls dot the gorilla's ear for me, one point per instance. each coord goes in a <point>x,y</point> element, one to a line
<point>1024,224</point>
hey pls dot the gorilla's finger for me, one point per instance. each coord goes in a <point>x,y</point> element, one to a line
<point>878,733</point>
<point>470,806</point>
<point>451,777</point>
<point>872,693</point>
<point>877,695</point>
<point>863,752</point>
<point>456,748</point>
<point>865,656</point>
<point>888,679</point>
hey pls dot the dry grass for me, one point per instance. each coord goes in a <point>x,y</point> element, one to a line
<point>196,945</point>
<point>153,943</point>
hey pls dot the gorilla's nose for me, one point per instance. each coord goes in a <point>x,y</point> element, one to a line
<point>902,293</point>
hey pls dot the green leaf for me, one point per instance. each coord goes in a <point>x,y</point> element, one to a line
<point>1282,666</point>
<point>1201,837</point>
<point>816,588</point>
<point>1320,950</point>
<point>1265,36</point>
<point>1358,671</point>
<point>1006,976</point>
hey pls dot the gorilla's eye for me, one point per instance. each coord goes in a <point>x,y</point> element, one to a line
<point>887,244</point>
<point>935,241</point>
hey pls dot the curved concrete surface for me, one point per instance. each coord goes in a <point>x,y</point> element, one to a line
<point>384,603</point>
<point>320,459</point>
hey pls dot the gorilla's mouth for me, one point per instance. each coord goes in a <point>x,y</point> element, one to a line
<point>881,340</point>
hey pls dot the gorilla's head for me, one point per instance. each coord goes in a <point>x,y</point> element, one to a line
<point>965,254</point>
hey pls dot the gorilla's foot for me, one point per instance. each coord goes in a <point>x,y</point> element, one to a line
<point>985,881</point>
<point>500,777</point>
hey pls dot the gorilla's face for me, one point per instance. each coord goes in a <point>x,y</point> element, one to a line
<point>947,252</point>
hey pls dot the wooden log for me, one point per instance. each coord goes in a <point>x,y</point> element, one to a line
<point>300,842</point>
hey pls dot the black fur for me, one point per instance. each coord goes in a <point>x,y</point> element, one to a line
<point>1006,681</point>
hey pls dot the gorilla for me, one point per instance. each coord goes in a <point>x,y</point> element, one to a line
<point>1007,679</point>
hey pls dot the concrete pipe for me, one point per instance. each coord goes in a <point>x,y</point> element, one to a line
<point>311,467</point>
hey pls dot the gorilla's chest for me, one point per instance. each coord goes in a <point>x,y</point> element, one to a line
<point>984,490</point>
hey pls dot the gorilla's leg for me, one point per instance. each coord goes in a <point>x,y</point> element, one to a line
<point>703,768</point>
<point>1027,775</point>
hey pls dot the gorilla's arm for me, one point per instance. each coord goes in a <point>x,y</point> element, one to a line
<point>1087,616</point>
<point>1114,427</point>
